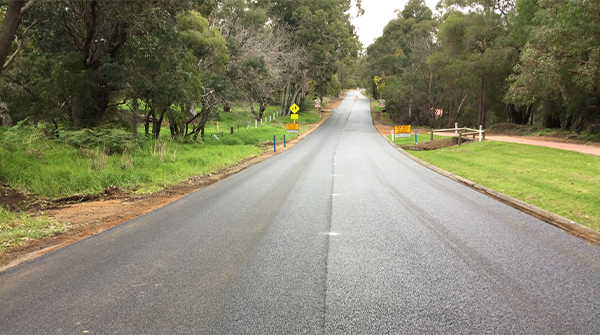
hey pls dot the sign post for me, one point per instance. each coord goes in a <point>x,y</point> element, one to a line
<point>318,105</point>
<point>402,131</point>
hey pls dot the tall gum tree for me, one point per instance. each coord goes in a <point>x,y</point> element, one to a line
<point>559,67</point>
<point>323,31</point>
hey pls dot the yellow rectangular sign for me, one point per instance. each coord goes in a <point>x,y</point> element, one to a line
<point>402,129</point>
<point>294,116</point>
<point>292,126</point>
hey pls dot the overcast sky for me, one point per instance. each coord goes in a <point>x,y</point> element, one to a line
<point>377,15</point>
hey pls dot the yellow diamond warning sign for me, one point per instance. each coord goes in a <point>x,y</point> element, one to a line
<point>294,108</point>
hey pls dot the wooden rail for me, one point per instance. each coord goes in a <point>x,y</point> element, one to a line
<point>460,132</point>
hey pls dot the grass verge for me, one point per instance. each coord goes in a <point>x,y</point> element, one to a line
<point>563,182</point>
<point>89,161</point>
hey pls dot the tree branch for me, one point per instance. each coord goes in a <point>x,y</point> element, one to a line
<point>20,43</point>
<point>27,7</point>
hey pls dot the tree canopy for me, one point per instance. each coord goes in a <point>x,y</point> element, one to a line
<point>482,62</point>
<point>83,64</point>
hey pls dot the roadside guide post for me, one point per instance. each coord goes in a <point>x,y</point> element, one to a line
<point>415,137</point>
<point>456,129</point>
<point>274,146</point>
<point>284,140</point>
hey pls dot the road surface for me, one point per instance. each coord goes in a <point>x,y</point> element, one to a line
<point>340,234</point>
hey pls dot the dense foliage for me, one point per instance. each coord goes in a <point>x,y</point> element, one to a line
<point>86,64</point>
<point>480,62</point>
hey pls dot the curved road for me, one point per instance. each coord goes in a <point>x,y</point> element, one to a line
<point>341,234</point>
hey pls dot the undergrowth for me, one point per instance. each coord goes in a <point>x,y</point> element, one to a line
<point>88,161</point>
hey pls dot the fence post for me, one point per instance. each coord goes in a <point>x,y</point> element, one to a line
<point>431,135</point>
<point>459,138</point>
<point>480,128</point>
<point>456,129</point>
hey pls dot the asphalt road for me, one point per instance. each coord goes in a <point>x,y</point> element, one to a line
<point>340,234</point>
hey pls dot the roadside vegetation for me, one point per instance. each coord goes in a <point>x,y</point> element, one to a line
<point>89,161</point>
<point>563,182</point>
<point>481,62</point>
<point>142,95</point>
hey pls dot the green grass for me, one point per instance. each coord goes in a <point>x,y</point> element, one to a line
<point>81,162</point>
<point>563,182</point>
<point>411,140</point>
<point>17,229</point>
<point>54,169</point>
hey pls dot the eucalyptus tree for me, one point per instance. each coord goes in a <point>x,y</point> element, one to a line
<point>78,64</point>
<point>398,65</point>
<point>560,61</point>
<point>207,50</point>
<point>323,33</point>
<point>259,53</point>
<point>476,56</point>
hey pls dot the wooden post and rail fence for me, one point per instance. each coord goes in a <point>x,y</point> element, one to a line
<point>460,132</point>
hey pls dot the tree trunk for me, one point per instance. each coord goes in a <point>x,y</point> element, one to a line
<point>518,115</point>
<point>135,117</point>
<point>263,106</point>
<point>293,99</point>
<point>183,127</point>
<point>103,102</point>
<point>531,116</point>
<point>173,128</point>
<point>253,112</point>
<point>147,122</point>
<point>11,22</point>
<point>375,93</point>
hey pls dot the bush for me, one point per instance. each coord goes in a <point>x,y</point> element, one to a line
<point>594,129</point>
<point>113,141</point>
